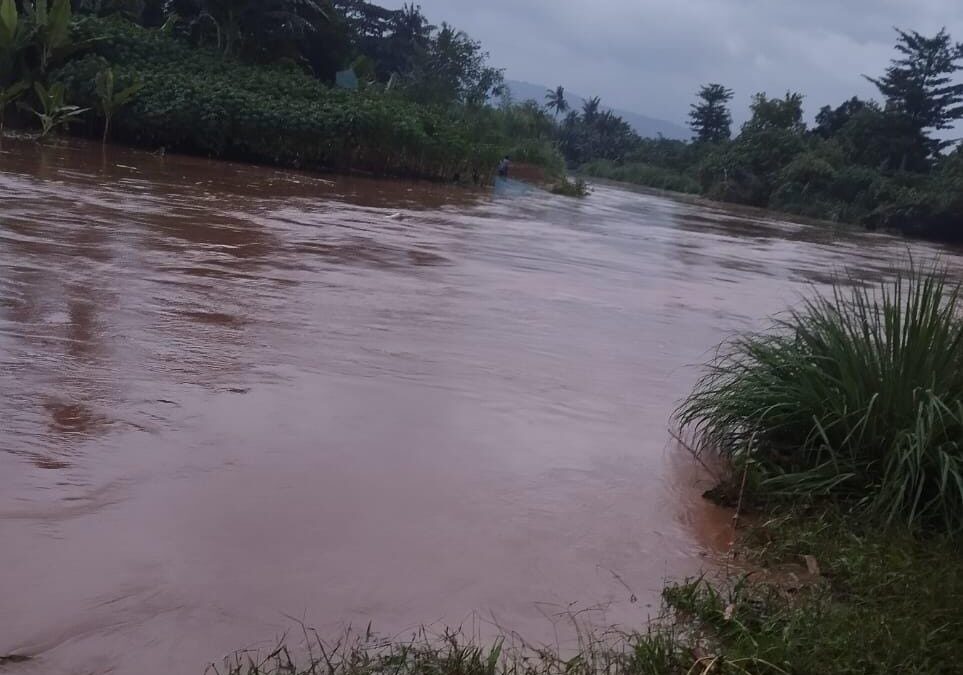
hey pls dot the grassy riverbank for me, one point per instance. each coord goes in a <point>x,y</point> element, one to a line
<point>841,429</point>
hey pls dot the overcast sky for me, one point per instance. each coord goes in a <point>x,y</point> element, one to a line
<point>650,56</point>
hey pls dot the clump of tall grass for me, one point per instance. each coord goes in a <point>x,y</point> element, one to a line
<point>670,645</point>
<point>857,395</point>
<point>661,651</point>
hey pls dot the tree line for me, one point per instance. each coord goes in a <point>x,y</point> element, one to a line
<point>883,164</point>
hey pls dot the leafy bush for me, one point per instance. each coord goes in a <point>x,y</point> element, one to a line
<point>858,395</point>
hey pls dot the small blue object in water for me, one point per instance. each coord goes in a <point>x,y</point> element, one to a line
<point>506,187</point>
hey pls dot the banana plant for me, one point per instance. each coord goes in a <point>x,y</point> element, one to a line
<point>110,99</point>
<point>51,24</point>
<point>54,111</point>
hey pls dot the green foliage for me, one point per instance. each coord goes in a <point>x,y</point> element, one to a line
<point>830,121</point>
<point>110,99</point>
<point>856,396</point>
<point>54,112</point>
<point>861,164</point>
<point>541,153</point>
<point>15,37</point>
<point>9,22</point>
<point>257,27</point>
<point>748,170</point>
<point>710,118</point>
<point>33,40</point>
<point>594,135</point>
<point>198,100</point>
<point>783,114</point>
<point>29,43</point>
<point>874,603</point>
<point>451,67</point>
<point>50,26</point>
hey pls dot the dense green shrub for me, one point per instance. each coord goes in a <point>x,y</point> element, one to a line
<point>198,100</point>
<point>858,395</point>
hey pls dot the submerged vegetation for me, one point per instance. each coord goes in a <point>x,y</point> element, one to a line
<point>571,188</point>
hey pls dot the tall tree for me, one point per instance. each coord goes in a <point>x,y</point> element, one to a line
<point>555,100</point>
<point>710,119</point>
<point>920,83</point>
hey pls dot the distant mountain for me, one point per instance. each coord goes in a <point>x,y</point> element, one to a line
<point>647,127</point>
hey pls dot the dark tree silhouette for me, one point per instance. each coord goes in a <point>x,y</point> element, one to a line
<point>710,119</point>
<point>920,84</point>
<point>555,100</point>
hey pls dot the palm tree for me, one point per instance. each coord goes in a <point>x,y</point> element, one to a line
<point>590,109</point>
<point>555,100</point>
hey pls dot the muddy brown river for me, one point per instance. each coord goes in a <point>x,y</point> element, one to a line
<point>235,398</point>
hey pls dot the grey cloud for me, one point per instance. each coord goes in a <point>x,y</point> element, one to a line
<point>651,55</point>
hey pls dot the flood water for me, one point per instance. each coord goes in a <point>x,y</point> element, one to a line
<point>236,397</point>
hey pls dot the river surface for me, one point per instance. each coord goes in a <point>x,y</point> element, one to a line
<point>235,398</point>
